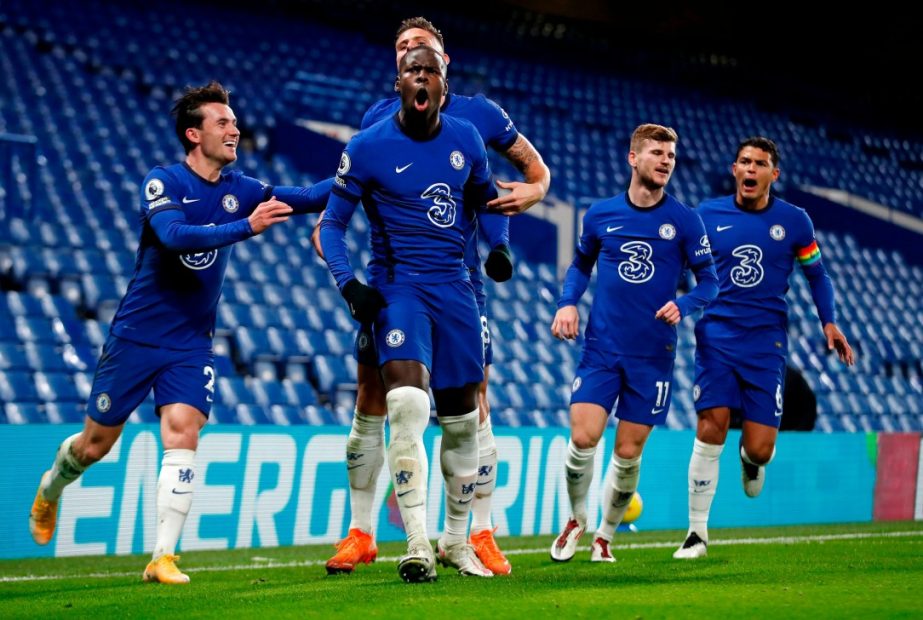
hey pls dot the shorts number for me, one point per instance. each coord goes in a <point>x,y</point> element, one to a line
<point>209,372</point>
<point>663,393</point>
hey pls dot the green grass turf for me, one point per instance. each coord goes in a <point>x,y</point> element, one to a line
<point>878,576</point>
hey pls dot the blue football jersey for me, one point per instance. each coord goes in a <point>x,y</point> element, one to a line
<point>419,196</point>
<point>754,252</point>
<point>640,256</point>
<point>172,298</point>
<point>495,128</point>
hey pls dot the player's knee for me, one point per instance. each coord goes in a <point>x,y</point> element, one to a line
<point>370,395</point>
<point>371,400</point>
<point>759,452</point>
<point>583,439</point>
<point>711,430</point>
<point>180,436</point>
<point>628,450</point>
<point>408,407</point>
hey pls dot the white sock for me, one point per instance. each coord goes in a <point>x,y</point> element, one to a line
<point>66,469</point>
<point>459,459</point>
<point>174,497</point>
<point>746,457</point>
<point>578,468</point>
<point>408,412</point>
<point>365,454</point>
<point>704,467</point>
<point>617,494</point>
<point>487,478</point>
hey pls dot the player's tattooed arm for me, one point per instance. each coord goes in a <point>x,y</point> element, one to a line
<point>523,195</point>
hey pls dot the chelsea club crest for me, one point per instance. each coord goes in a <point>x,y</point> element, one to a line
<point>230,203</point>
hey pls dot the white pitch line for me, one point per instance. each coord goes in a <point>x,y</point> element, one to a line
<point>263,562</point>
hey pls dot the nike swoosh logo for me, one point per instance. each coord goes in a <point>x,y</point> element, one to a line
<point>402,168</point>
<point>613,228</point>
<point>778,414</point>
<point>353,466</point>
<point>723,228</point>
<point>404,493</point>
<point>656,411</point>
<point>208,399</point>
<point>175,492</point>
<point>189,201</point>
<point>480,484</point>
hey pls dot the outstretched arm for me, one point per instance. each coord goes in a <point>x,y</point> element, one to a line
<point>305,199</point>
<point>176,235</point>
<point>523,195</point>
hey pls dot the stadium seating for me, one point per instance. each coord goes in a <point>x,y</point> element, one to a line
<point>95,96</point>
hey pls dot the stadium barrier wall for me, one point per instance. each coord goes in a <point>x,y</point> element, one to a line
<point>268,485</point>
<point>899,484</point>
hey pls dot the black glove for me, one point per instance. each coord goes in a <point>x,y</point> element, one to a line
<point>364,301</point>
<point>499,264</point>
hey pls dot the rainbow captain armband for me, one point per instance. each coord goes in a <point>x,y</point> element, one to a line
<point>808,255</point>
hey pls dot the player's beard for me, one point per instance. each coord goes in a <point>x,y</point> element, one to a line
<point>652,184</point>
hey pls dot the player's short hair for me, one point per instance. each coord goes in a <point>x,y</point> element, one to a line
<point>187,112</point>
<point>650,131</point>
<point>423,24</point>
<point>762,143</point>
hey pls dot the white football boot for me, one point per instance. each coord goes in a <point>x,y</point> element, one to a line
<point>693,547</point>
<point>599,551</point>
<point>461,557</point>
<point>565,545</point>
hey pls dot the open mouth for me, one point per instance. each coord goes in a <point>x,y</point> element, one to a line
<point>421,100</point>
<point>749,183</point>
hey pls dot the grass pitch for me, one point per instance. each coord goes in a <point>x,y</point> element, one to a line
<point>869,570</point>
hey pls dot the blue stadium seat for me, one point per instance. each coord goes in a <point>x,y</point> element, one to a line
<point>251,414</point>
<point>233,391</point>
<point>330,371</point>
<point>44,357</point>
<point>39,329</point>
<point>320,416</point>
<point>24,413</point>
<point>505,417</point>
<point>222,414</point>
<point>283,343</point>
<point>13,357</point>
<point>21,304</point>
<point>56,387</point>
<point>285,415</point>
<point>268,393</point>
<point>253,344</point>
<point>17,386</point>
<point>298,393</point>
